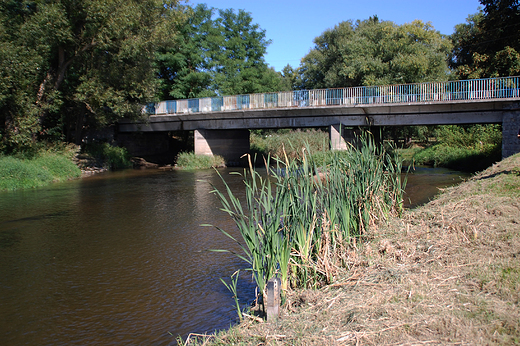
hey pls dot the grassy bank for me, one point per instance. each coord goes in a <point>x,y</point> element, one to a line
<point>445,273</point>
<point>40,168</point>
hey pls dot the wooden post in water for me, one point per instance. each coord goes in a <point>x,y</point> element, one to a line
<point>273,299</point>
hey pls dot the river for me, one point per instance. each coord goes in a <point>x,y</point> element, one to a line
<point>122,258</point>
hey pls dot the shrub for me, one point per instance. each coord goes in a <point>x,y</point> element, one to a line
<point>109,156</point>
<point>465,148</point>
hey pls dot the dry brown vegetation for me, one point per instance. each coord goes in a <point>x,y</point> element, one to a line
<point>445,273</point>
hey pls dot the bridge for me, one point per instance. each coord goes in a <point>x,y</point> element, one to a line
<point>221,124</point>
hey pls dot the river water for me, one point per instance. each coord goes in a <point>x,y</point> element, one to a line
<point>122,258</point>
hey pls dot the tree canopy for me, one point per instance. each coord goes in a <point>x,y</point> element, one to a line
<point>217,55</point>
<point>374,52</point>
<point>68,64</point>
<point>488,44</point>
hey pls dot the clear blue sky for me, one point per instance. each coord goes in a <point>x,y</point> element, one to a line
<point>292,25</point>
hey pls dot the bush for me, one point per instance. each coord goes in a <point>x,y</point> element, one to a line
<point>466,148</point>
<point>462,159</point>
<point>192,161</point>
<point>109,156</point>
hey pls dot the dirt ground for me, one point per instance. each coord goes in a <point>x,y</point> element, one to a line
<point>447,273</point>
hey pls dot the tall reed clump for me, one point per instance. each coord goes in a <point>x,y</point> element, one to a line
<point>297,221</point>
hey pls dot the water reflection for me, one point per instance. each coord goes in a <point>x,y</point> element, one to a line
<point>424,183</point>
<point>114,259</point>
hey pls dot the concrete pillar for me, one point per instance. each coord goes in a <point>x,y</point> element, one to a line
<point>340,136</point>
<point>510,131</point>
<point>230,144</point>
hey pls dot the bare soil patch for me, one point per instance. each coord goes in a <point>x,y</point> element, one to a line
<point>446,273</point>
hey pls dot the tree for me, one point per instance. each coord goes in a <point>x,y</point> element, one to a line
<point>488,44</point>
<point>76,63</point>
<point>220,56</point>
<point>184,68</point>
<point>238,56</point>
<point>374,52</point>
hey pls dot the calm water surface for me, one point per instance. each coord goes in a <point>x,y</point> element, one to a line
<point>121,258</point>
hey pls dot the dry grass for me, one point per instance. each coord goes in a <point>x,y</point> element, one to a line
<point>446,273</point>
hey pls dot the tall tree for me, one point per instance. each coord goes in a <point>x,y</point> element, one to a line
<point>89,63</point>
<point>184,67</point>
<point>374,52</point>
<point>488,44</point>
<point>217,55</point>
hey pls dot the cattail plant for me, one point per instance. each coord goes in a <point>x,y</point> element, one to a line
<point>297,220</point>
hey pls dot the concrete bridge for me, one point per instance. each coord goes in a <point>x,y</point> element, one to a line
<point>221,124</point>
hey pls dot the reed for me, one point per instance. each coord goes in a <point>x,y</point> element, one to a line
<point>297,220</point>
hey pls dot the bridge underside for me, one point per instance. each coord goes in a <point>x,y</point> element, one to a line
<point>226,133</point>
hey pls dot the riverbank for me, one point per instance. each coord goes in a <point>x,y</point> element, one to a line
<point>37,170</point>
<point>445,273</point>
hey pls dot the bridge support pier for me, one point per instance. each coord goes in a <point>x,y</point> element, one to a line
<point>230,144</point>
<point>510,131</point>
<point>341,137</point>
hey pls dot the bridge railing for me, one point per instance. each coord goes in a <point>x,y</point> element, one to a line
<point>474,89</point>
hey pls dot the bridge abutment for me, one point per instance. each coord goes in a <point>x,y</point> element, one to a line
<point>511,131</point>
<point>230,144</point>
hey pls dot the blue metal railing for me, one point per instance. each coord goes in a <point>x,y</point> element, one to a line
<point>474,89</point>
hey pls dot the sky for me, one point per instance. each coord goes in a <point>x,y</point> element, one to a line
<point>293,25</point>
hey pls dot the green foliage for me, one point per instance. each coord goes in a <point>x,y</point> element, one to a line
<point>279,143</point>
<point>69,65</point>
<point>216,55</point>
<point>374,52</point>
<point>109,156</point>
<point>305,210</point>
<point>488,44</point>
<point>470,136</point>
<point>16,173</point>
<point>466,148</point>
<point>232,287</point>
<point>192,161</point>
<point>184,67</point>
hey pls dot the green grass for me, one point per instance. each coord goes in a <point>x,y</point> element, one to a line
<point>190,161</point>
<point>276,144</point>
<point>43,169</point>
